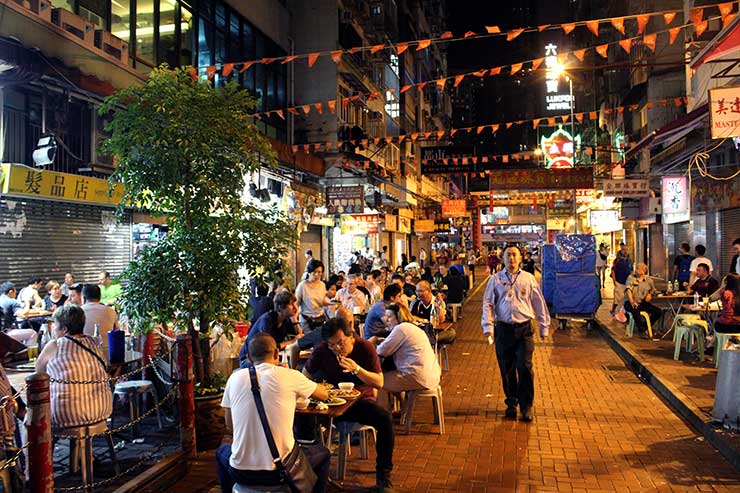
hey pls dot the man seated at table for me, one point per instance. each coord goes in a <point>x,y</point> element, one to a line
<point>374,323</point>
<point>96,313</point>
<point>109,291</point>
<point>12,310</point>
<point>399,281</point>
<point>704,284</point>
<point>352,298</point>
<point>413,355</point>
<point>343,357</point>
<point>73,355</point>
<point>457,285</point>
<point>281,323</point>
<point>29,295</point>
<point>245,456</point>
<point>422,306</point>
<point>639,294</point>
<point>75,294</point>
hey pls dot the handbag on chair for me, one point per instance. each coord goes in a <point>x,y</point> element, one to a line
<point>295,471</point>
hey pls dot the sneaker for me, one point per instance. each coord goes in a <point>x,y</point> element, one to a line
<point>384,483</point>
<point>510,412</point>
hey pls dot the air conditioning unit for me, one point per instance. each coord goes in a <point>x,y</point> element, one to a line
<point>41,8</point>
<point>75,25</point>
<point>113,46</point>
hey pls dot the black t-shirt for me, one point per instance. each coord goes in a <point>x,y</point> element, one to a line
<point>323,364</point>
<point>409,290</point>
<point>418,309</point>
<point>528,266</point>
<point>50,305</point>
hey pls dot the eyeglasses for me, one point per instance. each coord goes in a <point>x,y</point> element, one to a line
<point>336,347</point>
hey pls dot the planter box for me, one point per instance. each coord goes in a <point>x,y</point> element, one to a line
<point>74,24</point>
<point>113,46</point>
<point>209,422</point>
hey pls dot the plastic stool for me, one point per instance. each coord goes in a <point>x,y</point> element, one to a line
<point>133,389</point>
<point>455,308</point>
<point>81,449</point>
<point>344,431</point>
<point>631,324</point>
<point>719,343</point>
<point>443,357</point>
<point>436,395</point>
<point>699,329</point>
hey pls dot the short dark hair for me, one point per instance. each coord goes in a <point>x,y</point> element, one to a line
<point>314,264</point>
<point>91,292</point>
<point>508,247</point>
<point>106,274</point>
<point>334,325</point>
<point>309,252</point>
<point>70,317</point>
<point>685,246</point>
<point>261,346</point>
<point>6,287</point>
<point>35,280</point>
<point>283,299</point>
<point>701,249</point>
<point>375,274</point>
<point>262,289</point>
<point>737,241</point>
<point>76,287</point>
<point>704,266</point>
<point>391,291</point>
<point>398,276</point>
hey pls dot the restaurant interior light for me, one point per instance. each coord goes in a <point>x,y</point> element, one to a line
<point>46,150</point>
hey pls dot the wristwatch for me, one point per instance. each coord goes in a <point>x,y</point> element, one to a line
<point>356,370</point>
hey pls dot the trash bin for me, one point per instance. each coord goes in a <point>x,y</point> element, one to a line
<point>727,391</point>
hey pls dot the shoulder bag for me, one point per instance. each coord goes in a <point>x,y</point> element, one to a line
<point>295,471</point>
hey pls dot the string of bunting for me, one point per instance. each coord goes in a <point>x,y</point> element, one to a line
<point>649,40</point>
<point>550,121</point>
<point>696,14</point>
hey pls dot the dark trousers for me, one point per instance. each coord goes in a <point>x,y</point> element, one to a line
<point>369,413</point>
<point>514,348</point>
<point>447,336</point>
<point>318,456</point>
<point>653,311</point>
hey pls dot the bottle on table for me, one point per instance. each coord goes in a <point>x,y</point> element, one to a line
<point>669,289</point>
<point>696,299</point>
<point>676,287</point>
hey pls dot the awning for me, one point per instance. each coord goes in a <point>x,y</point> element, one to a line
<point>673,131</point>
<point>724,43</point>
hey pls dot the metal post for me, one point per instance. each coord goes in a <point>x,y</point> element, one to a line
<point>186,401</point>
<point>40,447</point>
<point>573,136</point>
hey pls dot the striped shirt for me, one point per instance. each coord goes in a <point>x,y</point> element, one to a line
<point>78,404</point>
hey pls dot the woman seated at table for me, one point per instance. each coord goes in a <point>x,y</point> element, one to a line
<point>74,356</point>
<point>412,352</point>
<point>55,298</point>
<point>728,321</point>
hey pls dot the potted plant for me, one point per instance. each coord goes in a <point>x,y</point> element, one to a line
<point>186,151</point>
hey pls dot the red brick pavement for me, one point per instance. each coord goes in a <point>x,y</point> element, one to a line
<point>597,428</point>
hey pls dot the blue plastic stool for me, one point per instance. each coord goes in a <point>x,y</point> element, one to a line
<point>631,324</point>
<point>698,328</point>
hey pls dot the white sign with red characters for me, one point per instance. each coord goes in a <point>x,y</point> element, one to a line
<point>559,149</point>
<point>724,112</point>
<point>675,199</point>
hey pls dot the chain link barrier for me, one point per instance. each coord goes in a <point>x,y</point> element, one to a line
<point>7,399</point>
<point>13,460</point>
<point>103,482</point>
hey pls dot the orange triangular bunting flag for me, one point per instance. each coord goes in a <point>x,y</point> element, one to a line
<point>626,44</point>
<point>516,68</point>
<point>458,79</point>
<point>446,35</point>
<point>580,54</point>
<point>495,71</point>
<point>288,59</point>
<point>642,21</point>
<point>258,116</point>
<point>312,57</point>
<point>725,8</point>
<point>537,63</point>
<point>568,28</point>
<point>336,56</point>
<point>673,34</point>
<point>453,132</point>
<point>423,44</point>
<point>543,27</point>
<point>376,48</point>
<point>319,107</point>
<point>376,140</point>
<point>227,69</point>
<point>700,28</point>
<point>480,129</point>
<point>618,24</point>
<point>649,105</point>
<point>632,107</point>
<point>193,72</point>
<point>492,29</point>
<point>440,134</point>
<point>468,34</point>
<point>494,128</point>
<point>620,110</point>
<point>535,123</point>
<point>329,145</point>
<point>509,124</point>
<point>592,115</point>
<point>593,26</point>
<point>441,83</point>
<point>306,148</point>
<point>404,89</point>
<point>332,104</point>
<point>678,101</point>
<point>602,50</point>
<point>401,47</point>
<point>565,118</point>
<point>579,117</point>
<point>246,65</point>
<point>210,71</point>
<point>293,110</point>
<point>427,135</point>
<point>354,49</point>
<point>513,34</point>
<point>480,73</point>
<point>295,149</point>
<point>649,40</point>
<point>696,15</point>
<point>389,139</point>
<point>280,114</point>
<point>668,18</point>
<point>727,19</point>
<point>421,86</point>
<point>414,136</point>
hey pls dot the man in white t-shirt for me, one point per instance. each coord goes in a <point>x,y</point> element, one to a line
<point>699,259</point>
<point>97,313</point>
<point>246,457</point>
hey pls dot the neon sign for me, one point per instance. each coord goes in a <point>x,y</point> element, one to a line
<point>559,149</point>
<point>554,99</point>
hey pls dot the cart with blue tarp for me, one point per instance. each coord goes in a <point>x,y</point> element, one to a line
<point>569,280</point>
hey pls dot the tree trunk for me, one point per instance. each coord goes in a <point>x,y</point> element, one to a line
<point>205,348</point>
<point>197,355</point>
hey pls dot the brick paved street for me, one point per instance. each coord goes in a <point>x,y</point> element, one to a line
<point>597,428</point>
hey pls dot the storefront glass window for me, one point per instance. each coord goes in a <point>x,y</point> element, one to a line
<point>167,39</point>
<point>145,31</point>
<point>205,43</point>
<point>186,36</point>
<point>121,19</point>
<point>94,11</point>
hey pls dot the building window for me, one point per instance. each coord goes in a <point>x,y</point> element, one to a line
<point>145,49</point>
<point>186,36</point>
<point>120,22</point>
<point>168,32</point>
<point>94,11</point>
<point>205,43</point>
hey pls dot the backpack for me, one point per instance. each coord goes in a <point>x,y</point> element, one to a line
<point>684,267</point>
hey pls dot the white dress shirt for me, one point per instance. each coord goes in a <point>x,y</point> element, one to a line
<point>514,299</point>
<point>412,354</point>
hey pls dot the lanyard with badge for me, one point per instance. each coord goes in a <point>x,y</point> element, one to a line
<point>511,287</point>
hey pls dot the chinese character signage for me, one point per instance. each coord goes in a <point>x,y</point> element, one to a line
<point>424,226</point>
<point>341,200</point>
<point>554,99</point>
<point>626,188</point>
<point>542,179</point>
<point>359,224</point>
<point>605,221</point>
<point>559,149</point>
<point>675,199</point>
<point>724,112</point>
<point>442,227</point>
<point>454,208</point>
<point>24,181</point>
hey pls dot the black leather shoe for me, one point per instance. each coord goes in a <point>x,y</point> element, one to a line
<point>510,412</point>
<point>527,415</point>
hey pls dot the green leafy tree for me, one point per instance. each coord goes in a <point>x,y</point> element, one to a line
<point>186,151</point>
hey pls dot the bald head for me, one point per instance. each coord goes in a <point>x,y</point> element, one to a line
<point>424,291</point>
<point>346,315</point>
<point>262,348</point>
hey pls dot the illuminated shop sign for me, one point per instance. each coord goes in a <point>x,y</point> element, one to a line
<point>554,99</point>
<point>559,149</point>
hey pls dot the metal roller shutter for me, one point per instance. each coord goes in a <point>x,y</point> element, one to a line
<point>729,230</point>
<point>48,239</point>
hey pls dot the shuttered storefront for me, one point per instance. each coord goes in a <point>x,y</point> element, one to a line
<point>729,230</point>
<point>48,239</point>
